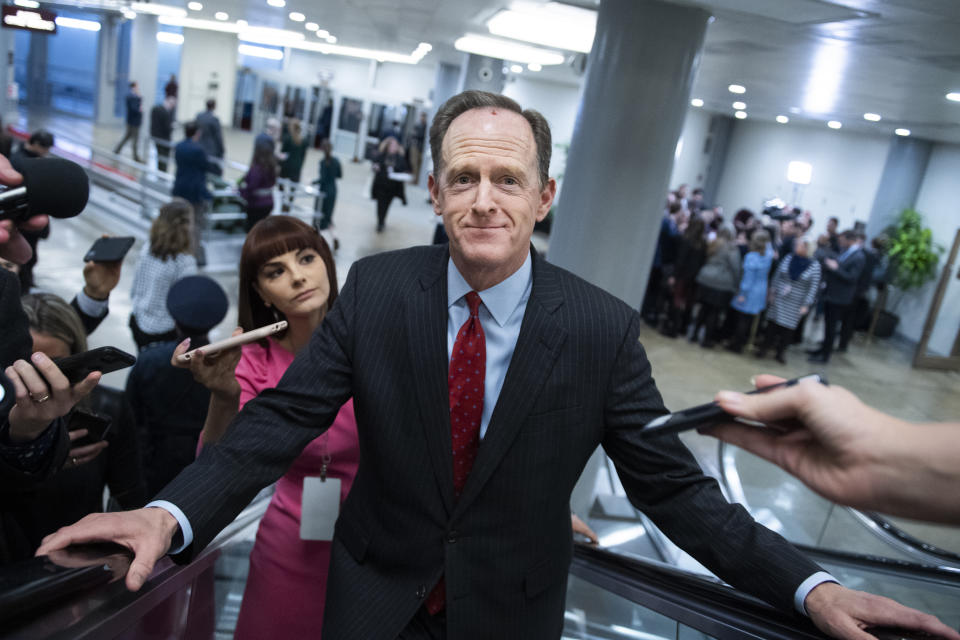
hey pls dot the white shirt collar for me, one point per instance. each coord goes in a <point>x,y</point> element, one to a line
<point>500,299</point>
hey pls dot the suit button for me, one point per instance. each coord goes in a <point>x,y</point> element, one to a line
<point>421,592</point>
<point>452,536</point>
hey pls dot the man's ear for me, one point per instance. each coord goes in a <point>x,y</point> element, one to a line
<point>547,195</point>
<point>433,186</point>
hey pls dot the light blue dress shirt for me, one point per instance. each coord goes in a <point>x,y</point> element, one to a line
<point>501,315</point>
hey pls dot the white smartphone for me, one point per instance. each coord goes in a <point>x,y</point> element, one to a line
<point>234,341</point>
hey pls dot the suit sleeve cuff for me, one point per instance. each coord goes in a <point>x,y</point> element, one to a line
<point>90,306</point>
<point>799,598</point>
<point>185,529</point>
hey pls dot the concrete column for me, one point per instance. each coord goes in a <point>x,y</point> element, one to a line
<point>143,59</point>
<point>481,73</point>
<point>107,69</point>
<point>38,97</point>
<point>636,90</point>
<point>903,174</point>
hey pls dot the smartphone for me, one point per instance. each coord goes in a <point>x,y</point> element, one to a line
<point>234,341</point>
<point>109,249</point>
<point>708,414</point>
<point>104,359</point>
<point>96,425</point>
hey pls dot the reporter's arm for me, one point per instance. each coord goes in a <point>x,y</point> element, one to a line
<point>848,452</point>
<point>216,373</point>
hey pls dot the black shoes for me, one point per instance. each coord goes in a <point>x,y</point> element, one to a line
<point>819,357</point>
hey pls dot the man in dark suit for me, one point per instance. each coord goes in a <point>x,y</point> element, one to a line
<point>190,182</point>
<point>483,379</point>
<point>134,119</point>
<point>841,275</point>
<point>161,129</point>
<point>211,137</point>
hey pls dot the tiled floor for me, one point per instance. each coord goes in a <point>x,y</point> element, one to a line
<point>879,373</point>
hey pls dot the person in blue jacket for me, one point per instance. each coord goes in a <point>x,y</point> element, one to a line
<point>134,104</point>
<point>751,299</point>
<point>190,182</point>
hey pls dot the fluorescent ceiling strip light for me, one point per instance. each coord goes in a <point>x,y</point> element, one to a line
<point>169,38</point>
<point>296,40</point>
<point>74,23</point>
<point>902,132</point>
<point>158,9</point>
<point>27,4</point>
<point>277,3</point>
<point>507,50</point>
<point>260,52</point>
<point>552,25</point>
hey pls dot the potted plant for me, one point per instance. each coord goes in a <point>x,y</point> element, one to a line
<point>913,259</point>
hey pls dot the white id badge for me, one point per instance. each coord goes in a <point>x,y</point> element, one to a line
<point>319,508</point>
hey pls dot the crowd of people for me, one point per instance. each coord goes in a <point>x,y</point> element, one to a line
<point>382,394</point>
<point>758,280</point>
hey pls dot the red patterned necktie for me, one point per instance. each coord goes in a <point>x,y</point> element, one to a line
<point>468,368</point>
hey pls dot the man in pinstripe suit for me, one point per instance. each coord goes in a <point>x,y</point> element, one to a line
<point>416,555</point>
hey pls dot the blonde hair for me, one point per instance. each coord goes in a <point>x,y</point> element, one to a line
<point>759,240</point>
<point>50,314</point>
<point>170,232</point>
<point>296,131</point>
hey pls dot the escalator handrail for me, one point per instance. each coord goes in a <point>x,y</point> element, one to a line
<point>696,601</point>
<point>110,609</point>
<point>873,522</point>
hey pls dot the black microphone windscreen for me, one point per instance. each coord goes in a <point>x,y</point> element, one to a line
<point>55,187</point>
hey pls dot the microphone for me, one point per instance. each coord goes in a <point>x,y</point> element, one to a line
<point>51,186</point>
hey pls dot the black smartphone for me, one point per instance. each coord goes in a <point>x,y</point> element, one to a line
<point>109,249</point>
<point>104,359</point>
<point>96,425</point>
<point>705,415</point>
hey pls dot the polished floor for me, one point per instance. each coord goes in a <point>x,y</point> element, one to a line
<point>880,372</point>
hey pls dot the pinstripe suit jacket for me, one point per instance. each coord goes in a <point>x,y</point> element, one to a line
<point>578,378</point>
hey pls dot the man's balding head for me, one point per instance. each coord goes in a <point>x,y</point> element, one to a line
<point>463,102</point>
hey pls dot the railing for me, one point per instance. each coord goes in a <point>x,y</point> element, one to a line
<point>876,524</point>
<point>111,611</point>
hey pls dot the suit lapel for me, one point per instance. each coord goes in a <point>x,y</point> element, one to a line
<point>538,345</point>
<point>426,318</point>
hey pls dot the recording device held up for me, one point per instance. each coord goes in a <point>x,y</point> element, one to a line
<point>51,186</point>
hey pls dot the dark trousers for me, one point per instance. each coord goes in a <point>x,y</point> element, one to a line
<point>834,314</point>
<point>132,133</point>
<point>383,203</point>
<point>424,626</point>
<point>326,209</point>
<point>163,154</point>
<point>651,299</point>
<point>199,224</point>
<point>255,215</point>
<point>847,325</point>
<point>741,328</point>
<point>777,338</point>
<point>142,338</point>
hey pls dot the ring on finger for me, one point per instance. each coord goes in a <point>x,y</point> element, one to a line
<point>42,398</point>
<point>75,463</point>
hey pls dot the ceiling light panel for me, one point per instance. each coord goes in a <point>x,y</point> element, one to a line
<point>783,119</point>
<point>277,3</point>
<point>872,117</point>
<point>507,50</point>
<point>296,16</point>
<point>158,9</point>
<point>696,102</point>
<point>552,24</point>
<point>740,115</point>
<point>739,106</point>
<point>221,15</point>
<point>834,124</point>
<point>902,132</point>
<point>737,88</point>
<point>954,96</point>
<point>194,6</point>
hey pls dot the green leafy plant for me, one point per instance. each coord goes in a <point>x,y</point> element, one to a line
<point>912,252</point>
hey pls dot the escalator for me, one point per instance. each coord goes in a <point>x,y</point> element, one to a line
<point>637,587</point>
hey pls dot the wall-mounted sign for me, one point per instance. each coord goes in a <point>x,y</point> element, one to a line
<point>29,19</point>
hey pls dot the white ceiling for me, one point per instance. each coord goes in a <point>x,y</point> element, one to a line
<point>899,57</point>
